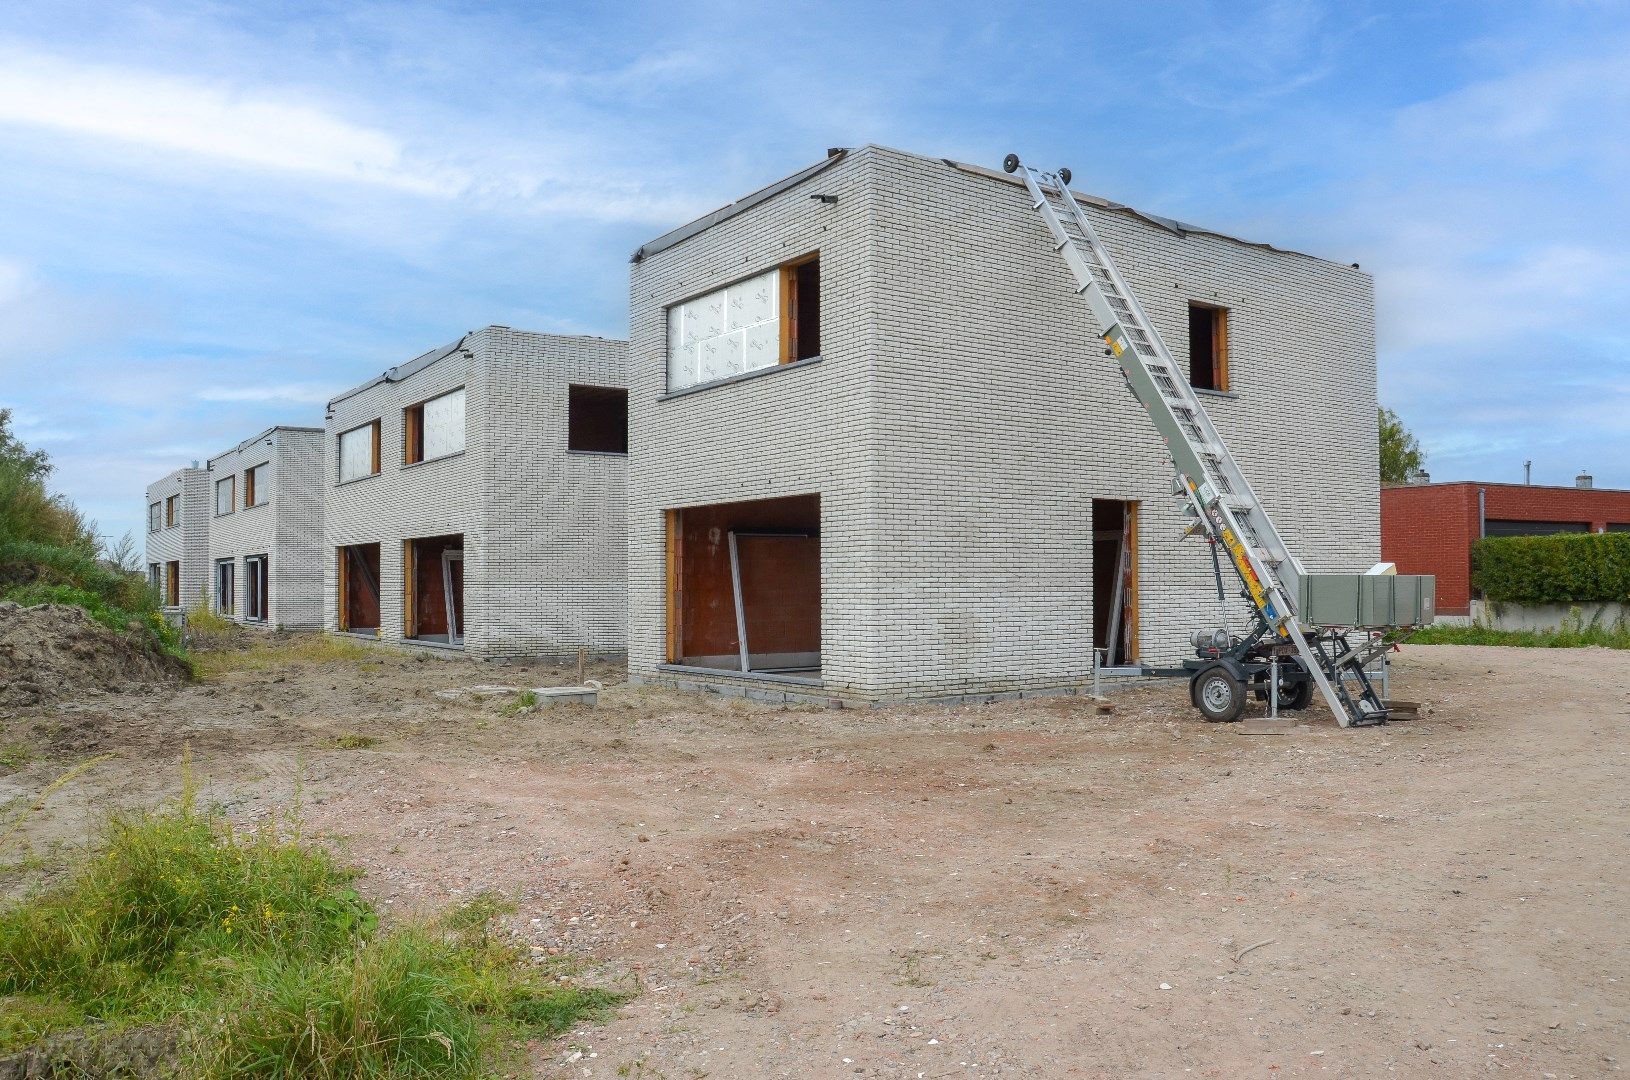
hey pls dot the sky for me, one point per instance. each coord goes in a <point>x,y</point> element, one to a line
<point>214,216</point>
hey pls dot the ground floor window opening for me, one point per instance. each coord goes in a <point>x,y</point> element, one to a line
<point>225,586</point>
<point>1115,581</point>
<point>744,586</point>
<point>433,589</point>
<point>359,588</point>
<point>257,591</point>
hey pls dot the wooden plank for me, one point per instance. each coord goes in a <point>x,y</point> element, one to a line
<point>376,428</point>
<point>674,599</point>
<point>1219,346</point>
<point>1132,654</point>
<point>412,438</point>
<point>410,623</point>
<point>344,570</point>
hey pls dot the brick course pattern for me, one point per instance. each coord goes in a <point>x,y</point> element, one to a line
<point>286,525</point>
<point>545,563</point>
<point>963,417</point>
<point>187,541</point>
<point>1430,528</point>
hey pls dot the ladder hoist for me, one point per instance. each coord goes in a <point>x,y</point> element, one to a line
<point>1301,636</point>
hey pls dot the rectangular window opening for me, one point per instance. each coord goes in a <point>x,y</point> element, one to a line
<point>225,495</point>
<point>433,429</point>
<point>744,586</point>
<point>155,517</point>
<point>254,486</point>
<point>597,419</point>
<point>768,319</point>
<point>433,589</point>
<point>359,588</point>
<point>257,587</point>
<point>172,511</point>
<point>1208,347</point>
<point>358,451</point>
<point>226,571</point>
<point>172,584</point>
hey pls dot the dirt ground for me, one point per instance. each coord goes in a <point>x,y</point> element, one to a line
<point>1027,889</point>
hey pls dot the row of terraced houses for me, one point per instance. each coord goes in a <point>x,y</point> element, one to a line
<point>862,445</point>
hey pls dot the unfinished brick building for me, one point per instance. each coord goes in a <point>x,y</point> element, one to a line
<point>178,537</point>
<point>883,456</point>
<point>266,529</point>
<point>475,499</point>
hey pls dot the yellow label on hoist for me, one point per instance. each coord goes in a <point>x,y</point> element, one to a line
<point>1114,344</point>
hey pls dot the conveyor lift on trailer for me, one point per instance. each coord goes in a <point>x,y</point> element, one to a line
<point>1289,652</point>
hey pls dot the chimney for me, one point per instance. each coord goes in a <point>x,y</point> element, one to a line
<point>1583,480</point>
<point>1420,476</point>
<point>1528,471</point>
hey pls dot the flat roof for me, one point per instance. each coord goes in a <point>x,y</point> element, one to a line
<point>837,154</point>
<point>1506,484</point>
<point>256,438</point>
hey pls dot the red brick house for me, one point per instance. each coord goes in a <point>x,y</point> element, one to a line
<point>1430,528</point>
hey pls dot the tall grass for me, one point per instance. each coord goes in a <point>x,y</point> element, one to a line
<point>1565,638</point>
<point>260,954</point>
<point>303,649</point>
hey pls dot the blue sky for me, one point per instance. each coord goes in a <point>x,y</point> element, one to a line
<point>213,216</point>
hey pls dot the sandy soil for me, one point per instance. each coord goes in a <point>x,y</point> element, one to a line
<point>1026,889</point>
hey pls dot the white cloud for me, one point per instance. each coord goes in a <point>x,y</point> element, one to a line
<point>247,127</point>
<point>303,393</point>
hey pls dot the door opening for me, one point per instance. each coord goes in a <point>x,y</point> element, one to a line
<point>257,588</point>
<point>359,588</point>
<point>433,589</point>
<point>1115,581</point>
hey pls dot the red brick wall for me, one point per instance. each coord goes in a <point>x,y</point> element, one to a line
<point>1429,529</point>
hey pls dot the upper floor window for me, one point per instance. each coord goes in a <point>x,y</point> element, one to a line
<point>254,485</point>
<point>597,419</point>
<point>773,318</point>
<point>434,428</point>
<point>155,517</point>
<point>359,452</point>
<point>1208,347</point>
<point>225,495</point>
<point>172,510</point>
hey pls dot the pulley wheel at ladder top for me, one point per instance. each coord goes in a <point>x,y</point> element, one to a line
<point>1011,164</point>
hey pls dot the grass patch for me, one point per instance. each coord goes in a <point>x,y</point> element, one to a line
<point>296,650</point>
<point>1566,638</point>
<point>15,756</point>
<point>259,954</point>
<point>525,701</point>
<point>352,741</point>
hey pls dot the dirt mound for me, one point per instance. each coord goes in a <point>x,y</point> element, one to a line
<point>54,652</point>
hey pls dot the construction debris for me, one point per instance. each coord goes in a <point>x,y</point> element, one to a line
<point>54,651</point>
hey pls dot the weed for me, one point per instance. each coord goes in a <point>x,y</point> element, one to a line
<point>352,741</point>
<point>1569,637</point>
<point>262,957</point>
<point>292,651</point>
<point>525,701</point>
<point>15,756</point>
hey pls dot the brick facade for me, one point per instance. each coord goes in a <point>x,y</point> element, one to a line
<point>962,418</point>
<point>545,565</point>
<point>285,525</point>
<point>1430,528</point>
<point>187,541</point>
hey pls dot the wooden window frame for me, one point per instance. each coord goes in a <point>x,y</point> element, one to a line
<point>171,516</point>
<point>155,516</point>
<point>413,427</point>
<point>250,486</point>
<point>1219,346</point>
<point>344,616</point>
<point>410,616</point>
<point>673,527</point>
<point>788,272</point>
<point>374,462</point>
<point>172,583</point>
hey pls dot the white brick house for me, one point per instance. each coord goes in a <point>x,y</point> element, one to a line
<point>178,537</point>
<point>266,529</point>
<point>475,499</point>
<point>875,430</point>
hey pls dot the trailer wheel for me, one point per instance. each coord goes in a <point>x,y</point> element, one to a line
<point>1296,695</point>
<point>1218,695</point>
<point>1010,163</point>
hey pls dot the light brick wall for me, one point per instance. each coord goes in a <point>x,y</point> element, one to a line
<point>964,417</point>
<point>286,527</point>
<point>188,540</point>
<point>543,530</point>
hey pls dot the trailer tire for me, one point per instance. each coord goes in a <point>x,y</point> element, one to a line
<point>1297,696</point>
<point>1218,694</point>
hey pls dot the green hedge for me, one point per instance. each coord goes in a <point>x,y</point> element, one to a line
<point>1567,568</point>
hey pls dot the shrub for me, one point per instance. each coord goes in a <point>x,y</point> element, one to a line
<point>1567,568</point>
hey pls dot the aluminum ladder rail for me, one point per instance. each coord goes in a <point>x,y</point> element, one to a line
<point>1208,476</point>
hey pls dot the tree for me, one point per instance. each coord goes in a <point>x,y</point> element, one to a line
<point>1401,454</point>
